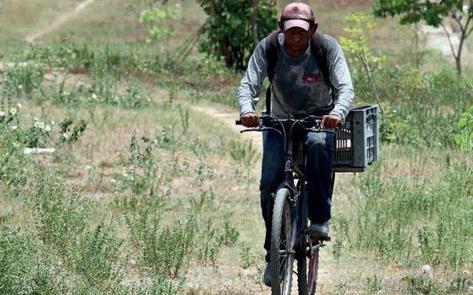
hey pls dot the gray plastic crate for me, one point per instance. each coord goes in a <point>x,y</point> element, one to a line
<point>357,140</point>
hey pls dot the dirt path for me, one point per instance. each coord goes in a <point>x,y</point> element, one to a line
<point>58,22</point>
<point>228,119</point>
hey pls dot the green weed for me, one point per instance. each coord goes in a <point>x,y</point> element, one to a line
<point>210,240</point>
<point>164,249</point>
<point>23,79</point>
<point>209,244</point>
<point>230,233</point>
<point>184,116</point>
<point>135,203</point>
<point>420,221</point>
<point>373,284</point>
<point>417,284</point>
<point>71,131</point>
<point>460,284</point>
<point>140,176</point>
<point>60,95</point>
<point>95,257</point>
<point>204,200</point>
<point>163,286</point>
<point>13,163</point>
<point>464,136</point>
<point>61,215</point>
<point>38,134</point>
<point>247,258</point>
<point>26,268</point>
<point>340,226</point>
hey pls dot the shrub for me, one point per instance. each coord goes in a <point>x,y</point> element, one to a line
<point>140,176</point>
<point>61,216</point>
<point>464,136</point>
<point>229,28</point>
<point>22,79</point>
<point>164,249</point>
<point>13,163</point>
<point>25,267</point>
<point>95,257</point>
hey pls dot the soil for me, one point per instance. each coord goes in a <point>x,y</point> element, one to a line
<point>58,22</point>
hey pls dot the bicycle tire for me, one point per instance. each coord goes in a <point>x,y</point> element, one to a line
<point>307,276</point>
<point>282,241</point>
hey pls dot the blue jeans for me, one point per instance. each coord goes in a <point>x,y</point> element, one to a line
<point>318,149</point>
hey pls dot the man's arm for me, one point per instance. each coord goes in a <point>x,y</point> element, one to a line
<point>340,78</point>
<point>251,83</point>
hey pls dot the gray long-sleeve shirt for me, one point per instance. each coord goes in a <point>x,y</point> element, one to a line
<point>298,86</point>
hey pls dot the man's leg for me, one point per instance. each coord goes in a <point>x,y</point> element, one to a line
<point>318,148</point>
<point>271,174</point>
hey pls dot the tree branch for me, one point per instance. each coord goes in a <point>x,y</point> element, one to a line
<point>459,22</point>
<point>470,17</point>
<point>469,32</point>
<point>452,48</point>
<point>364,61</point>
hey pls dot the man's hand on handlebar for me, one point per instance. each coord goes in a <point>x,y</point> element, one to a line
<point>249,120</point>
<point>330,121</point>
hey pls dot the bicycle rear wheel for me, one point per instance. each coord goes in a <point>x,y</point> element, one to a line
<point>307,269</point>
<point>282,242</point>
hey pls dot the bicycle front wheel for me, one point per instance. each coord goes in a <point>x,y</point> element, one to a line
<point>282,243</point>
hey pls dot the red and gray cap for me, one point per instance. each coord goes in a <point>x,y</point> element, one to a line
<point>297,15</point>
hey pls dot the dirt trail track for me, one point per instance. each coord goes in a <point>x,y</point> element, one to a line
<point>228,119</point>
<point>58,22</point>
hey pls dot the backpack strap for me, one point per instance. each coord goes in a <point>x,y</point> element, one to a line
<point>272,45</point>
<point>319,51</point>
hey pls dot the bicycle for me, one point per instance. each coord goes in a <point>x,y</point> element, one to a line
<point>289,239</point>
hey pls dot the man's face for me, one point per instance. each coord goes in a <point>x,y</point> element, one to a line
<point>296,38</point>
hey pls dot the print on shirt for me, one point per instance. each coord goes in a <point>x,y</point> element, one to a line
<point>311,78</point>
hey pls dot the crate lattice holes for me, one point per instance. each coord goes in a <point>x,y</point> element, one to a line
<point>357,142</point>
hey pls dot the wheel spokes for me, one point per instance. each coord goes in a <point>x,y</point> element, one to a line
<point>286,252</point>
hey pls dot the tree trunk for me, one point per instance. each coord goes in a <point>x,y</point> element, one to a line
<point>254,4</point>
<point>458,56</point>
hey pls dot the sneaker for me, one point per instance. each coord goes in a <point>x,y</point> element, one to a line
<point>267,275</point>
<point>319,230</point>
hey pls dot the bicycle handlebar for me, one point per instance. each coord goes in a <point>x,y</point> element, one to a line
<point>266,122</point>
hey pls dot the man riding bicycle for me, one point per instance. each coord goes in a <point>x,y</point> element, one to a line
<point>309,76</point>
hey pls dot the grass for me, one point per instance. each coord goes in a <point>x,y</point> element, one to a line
<point>127,178</point>
<point>71,222</point>
<point>116,22</point>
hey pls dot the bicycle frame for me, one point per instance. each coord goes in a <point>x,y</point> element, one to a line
<point>298,244</point>
<point>287,129</point>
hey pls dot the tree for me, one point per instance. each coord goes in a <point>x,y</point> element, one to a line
<point>356,46</point>
<point>232,26</point>
<point>159,20</point>
<point>434,13</point>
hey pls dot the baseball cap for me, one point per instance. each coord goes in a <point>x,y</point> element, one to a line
<point>297,14</point>
<point>290,23</point>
